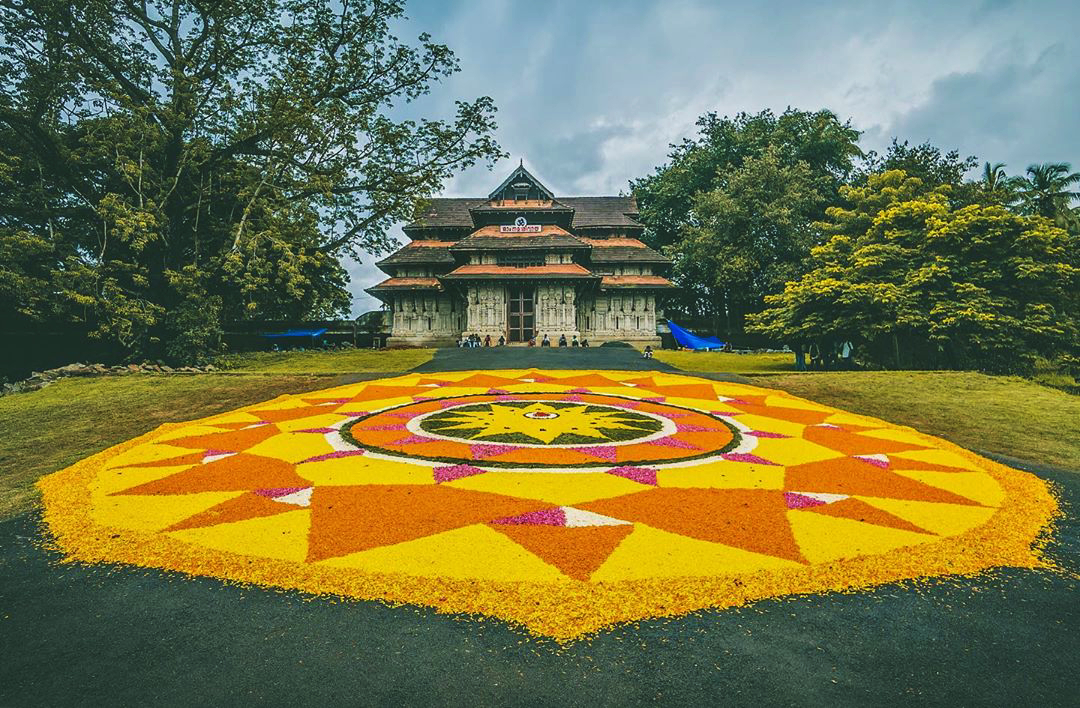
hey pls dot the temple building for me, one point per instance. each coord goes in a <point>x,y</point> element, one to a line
<point>523,263</point>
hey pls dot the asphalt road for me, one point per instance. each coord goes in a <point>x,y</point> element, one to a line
<point>624,358</point>
<point>110,635</point>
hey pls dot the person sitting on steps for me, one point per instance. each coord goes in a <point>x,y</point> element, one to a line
<point>562,340</point>
<point>575,343</point>
<point>647,354</point>
<point>545,342</point>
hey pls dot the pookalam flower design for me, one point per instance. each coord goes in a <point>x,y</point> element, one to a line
<point>563,501</point>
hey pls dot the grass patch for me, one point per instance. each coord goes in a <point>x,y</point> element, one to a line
<point>338,361</point>
<point>727,362</point>
<point>48,430</point>
<point>1003,414</point>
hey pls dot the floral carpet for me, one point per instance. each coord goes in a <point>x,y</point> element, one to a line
<point>566,501</point>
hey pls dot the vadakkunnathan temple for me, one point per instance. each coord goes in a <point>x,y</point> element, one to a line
<point>522,264</point>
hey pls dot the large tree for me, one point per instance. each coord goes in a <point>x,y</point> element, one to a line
<point>169,165</point>
<point>735,205</point>
<point>914,282</point>
<point>749,236</point>
<point>819,139</point>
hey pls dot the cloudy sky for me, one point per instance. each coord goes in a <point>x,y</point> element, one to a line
<point>591,92</point>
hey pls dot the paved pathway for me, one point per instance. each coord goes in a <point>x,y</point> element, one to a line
<point>72,635</point>
<point>624,358</point>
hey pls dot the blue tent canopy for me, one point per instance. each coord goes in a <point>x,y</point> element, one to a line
<point>295,333</point>
<point>692,341</point>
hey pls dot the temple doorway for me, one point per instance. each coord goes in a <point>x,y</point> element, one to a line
<point>520,317</point>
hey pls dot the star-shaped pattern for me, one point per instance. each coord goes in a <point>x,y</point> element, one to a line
<point>581,479</point>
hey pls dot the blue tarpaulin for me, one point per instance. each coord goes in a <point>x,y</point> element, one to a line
<point>692,341</point>
<point>295,333</point>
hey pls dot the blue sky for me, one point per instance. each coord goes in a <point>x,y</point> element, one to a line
<point>591,92</point>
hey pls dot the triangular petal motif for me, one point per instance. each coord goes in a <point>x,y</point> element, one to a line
<point>576,551</point>
<point>751,519</point>
<point>854,477</point>
<point>242,508</point>
<point>346,519</point>
<point>241,472</point>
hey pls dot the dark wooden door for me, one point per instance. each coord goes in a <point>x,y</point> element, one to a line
<point>520,318</point>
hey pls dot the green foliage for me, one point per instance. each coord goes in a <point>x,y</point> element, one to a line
<point>915,282</point>
<point>749,234</point>
<point>769,175</point>
<point>827,146</point>
<point>1049,191</point>
<point>170,166</point>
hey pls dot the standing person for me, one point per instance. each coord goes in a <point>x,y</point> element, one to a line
<point>562,340</point>
<point>487,340</point>
<point>800,356</point>
<point>847,355</point>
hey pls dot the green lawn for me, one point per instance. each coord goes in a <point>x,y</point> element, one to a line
<point>342,361</point>
<point>727,362</point>
<point>1003,414</point>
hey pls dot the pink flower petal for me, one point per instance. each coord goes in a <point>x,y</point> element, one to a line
<point>413,440</point>
<point>333,455</point>
<point>604,452</point>
<point>642,475</point>
<point>484,450</point>
<point>746,457</point>
<point>545,517</point>
<point>452,472</point>
<point>278,491</point>
<point>687,428</point>
<point>673,442</point>
<point>799,501</point>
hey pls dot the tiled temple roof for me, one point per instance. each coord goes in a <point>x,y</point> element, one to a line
<point>489,237</point>
<point>560,270</point>
<point>420,252</point>
<point>635,281</point>
<point>589,212</point>
<point>623,250</point>
<point>407,284</point>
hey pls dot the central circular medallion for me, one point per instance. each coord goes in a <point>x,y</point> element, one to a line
<point>541,415</point>
<point>547,423</point>
<point>542,430</point>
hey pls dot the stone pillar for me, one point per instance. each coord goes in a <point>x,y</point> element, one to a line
<point>486,311</point>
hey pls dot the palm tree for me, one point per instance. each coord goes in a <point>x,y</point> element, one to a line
<point>998,186</point>
<point>1045,191</point>
<point>994,176</point>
